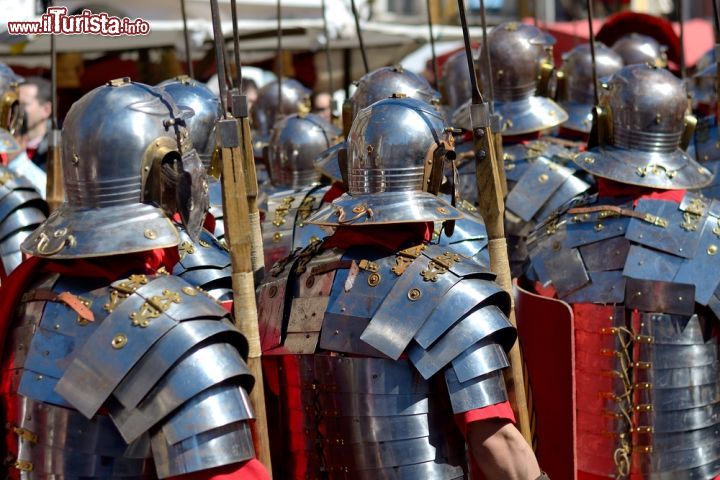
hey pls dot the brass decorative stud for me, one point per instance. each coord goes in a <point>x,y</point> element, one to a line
<point>414,294</point>
<point>443,210</point>
<point>150,234</point>
<point>358,209</point>
<point>190,291</point>
<point>543,178</point>
<point>277,236</point>
<point>374,279</point>
<point>712,250</point>
<point>589,160</point>
<point>599,227</point>
<point>119,341</point>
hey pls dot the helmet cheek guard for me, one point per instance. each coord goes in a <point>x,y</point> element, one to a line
<point>11,117</point>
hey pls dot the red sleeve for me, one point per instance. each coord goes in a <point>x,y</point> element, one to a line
<point>250,470</point>
<point>499,410</point>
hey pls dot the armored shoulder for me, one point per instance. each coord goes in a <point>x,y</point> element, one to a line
<point>656,256</point>
<point>469,235</point>
<point>22,210</point>
<point>156,353</point>
<point>205,264</point>
<point>440,309</point>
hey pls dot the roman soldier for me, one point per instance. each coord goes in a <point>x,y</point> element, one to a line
<point>22,208</point>
<point>575,91</point>
<point>204,263</point>
<point>383,352</point>
<point>637,264</point>
<point>112,368</point>
<point>539,171</point>
<point>705,146</point>
<point>295,190</point>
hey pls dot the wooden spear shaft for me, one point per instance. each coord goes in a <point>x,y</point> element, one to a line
<point>492,209</point>
<point>55,188</point>
<point>239,241</point>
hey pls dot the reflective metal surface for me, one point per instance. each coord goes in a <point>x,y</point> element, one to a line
<point>396,151</point>
<point>205,264</point>
<point>387,81</point>
<point>22,210</point>
<point>455,80</point>
<point>265,112</point>
<point>189,93</point>
<point>648,108</point>
<point>295,142</point>
<point>575,88</point>
<point>117,141</point>
<point>636,48</point>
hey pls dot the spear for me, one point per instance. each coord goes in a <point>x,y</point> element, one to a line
<point>492,209</point>
<point>359,35</point>
<point>599,130</point>
<point>240,111</point>
<point>432,46</point>
<point>55,187</point>
<point>186,38</point>
<point>239,241</point>
<point>328,60</point>
<point>716,16</point>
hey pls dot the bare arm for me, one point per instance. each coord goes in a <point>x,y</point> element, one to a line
<point>501,451</point>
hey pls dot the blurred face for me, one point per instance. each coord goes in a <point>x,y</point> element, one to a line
<point>323,105</point>
<point>37,112</point>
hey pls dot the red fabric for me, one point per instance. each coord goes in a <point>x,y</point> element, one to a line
<point>501,411</point>
<point>250,470</point>
<point>609,188</point>
<point>337,189</point>
<point>513,139</point>
<point>571,134</point>
<point>387,237</point>
<point>208,223</point>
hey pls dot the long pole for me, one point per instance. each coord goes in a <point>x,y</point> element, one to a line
<point>492,209</point>
<point>239,242</point>
<point>279,54</point>
<point>435,71</point>
<point>186,38</point>
<point>55,187</point>
<point>681,21</point>
<point>328,61</point>
<point>356,15</point>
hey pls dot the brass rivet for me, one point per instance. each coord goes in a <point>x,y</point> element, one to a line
<point>150,234</point>
<point>443,210</point>
<point>358,209</point>
<point>272,291</point>
<point>374,279</point>
<point>543,178</point>
<point>60,232</point>
<point>189,291</point>
<point>589,160</point>
<point>277,236</point>
<point>599,227</point>
<point>712,249</point>
<point>414,294</point>
<point>119,341</point>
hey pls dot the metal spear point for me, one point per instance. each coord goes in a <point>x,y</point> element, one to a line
<point>239,241</point>
<point>492,209</point>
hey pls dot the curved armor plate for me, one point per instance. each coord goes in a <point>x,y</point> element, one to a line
<point>78,345</point>
<point>205,264</point>
<point>336,347</point>
<point>22,210</point>
<point>643,285</point>
<point>705,148</point>
<point>284,228</point>
<point>540,178</point>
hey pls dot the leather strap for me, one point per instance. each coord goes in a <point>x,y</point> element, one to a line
<point>72,301</point>
<point>622,212</point>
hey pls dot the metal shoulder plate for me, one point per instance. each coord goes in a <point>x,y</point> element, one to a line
<point>22,210</point>
<point>205,264</point>
<point>657,256</point>
<point>160,332</point>
<point>469,236</point>
<point>441,308</point>
<point>284,210</point>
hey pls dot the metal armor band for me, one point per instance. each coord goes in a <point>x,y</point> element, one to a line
<point>64,429</point>
<point>675,461</point>
<point>624,137</point>
<point>216,407</point>
<point>17,199</point>
<point>672,329</point>
<point>358,405</point>
<point>49,461</point>
<point>479,360</point>
<point>677,356</point>
<point>670,399</point>
<point>352,430</point>
<point>376,180</point>
<point>673,442</point>
<point>168,350</point>
<point>108,193</point>
<point>222,446</point>
<point>99,367</point>
<point>25,218</point>
<point>464,296</point>
<point>481,326</point>
<point>476,393</point>
<point>709,470</point>
<point>680,420</point>
<point>174,390</point>
<point>429,470</point>
<point>678,377</point>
